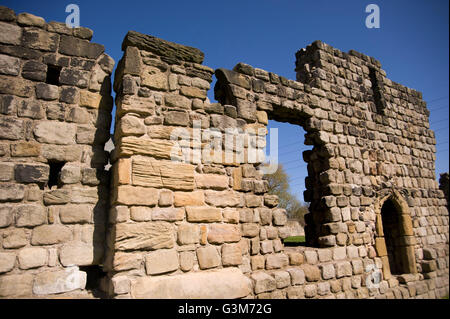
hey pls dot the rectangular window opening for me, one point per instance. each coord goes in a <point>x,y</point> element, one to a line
<point>288,182</point>
<point>377,89</point>
<point>53,72</point>
<point>55,171</point>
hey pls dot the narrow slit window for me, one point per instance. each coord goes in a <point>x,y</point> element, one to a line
<point>55,170</point>
<point>377,89</point>
<point>53,72</point>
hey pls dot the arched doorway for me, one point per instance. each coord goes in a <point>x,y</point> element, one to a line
<point>395,241</point>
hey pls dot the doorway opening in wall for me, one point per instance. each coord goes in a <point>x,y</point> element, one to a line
<point>394,235</point>
<point>288,182</point>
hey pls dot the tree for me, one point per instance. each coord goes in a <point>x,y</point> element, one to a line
<point>279,185</point>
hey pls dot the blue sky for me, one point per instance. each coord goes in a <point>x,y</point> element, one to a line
<point>411,43</point>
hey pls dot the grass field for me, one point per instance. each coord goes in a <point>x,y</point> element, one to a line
<point>294,241</point>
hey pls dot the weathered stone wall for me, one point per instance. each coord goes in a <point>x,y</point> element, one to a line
<point>184,220</point>
<point>55,109</point>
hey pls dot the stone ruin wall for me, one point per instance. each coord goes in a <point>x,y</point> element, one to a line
<point>208,229</point>
<point>51,223</point>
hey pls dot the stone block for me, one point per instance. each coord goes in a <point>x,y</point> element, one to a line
<point>15,238</point>
<point>161,261</point>
<point>54,282</point>
<point>11,128</point>
<point>77,254</point>
<point>79,47</point>
<point>15,286</point>
<point>10,34</point>
<point>144,236</point>
<point>6,215</point>
<point>50,234</point>
<point>168,214</point>
<point>276,261</point>
<point>30,215</point>
<point>9,65</point>
<point>208,257</point>
<point>215,284</point>
<point>7,261</point>
<point>297,276</point>
<point>32,258</point>
<point>126,261</point>
<point>231,255</point>
<point>203,214</point>
<point>279,217</point>
<point>51,132</point>
<point>263,282</point>
<point>223,233</point>
<point>211,181</point>
<point>223,198</point>
<point>141,213</point>
<point>188,234</point>
<point>135,195</point>
<point>187,259</point>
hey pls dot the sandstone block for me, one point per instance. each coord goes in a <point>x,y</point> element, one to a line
<point>276,261</point>
<point>120,284</point>
<point>282,278</point>
<point>7,261</point>
<point>126,261</point>
<point>263,282</point>
<point>297,276</point>
<point>203,214</point>
<point>231,216</point>
<point>31,173</point>
<point>52,132</point>
<point>50,234</point>
<point>166,198</point>
<point>144,236</point>
<point>231,255</point>
<point>10,34</point>
<point>14,286</point>
<point>187,259</point>
<point>328,271</point>
<point>30,215</point>
<point>11,128</point>
<point>343,268</point>
<point>253,200</point>
<point>161,261</point>
<point>141,213</point>
<point>25,149</point>
<point>9,65</point>
<point>70,174</point>
<point>214,284</point>
<point>75,214</point>
<point>208,257</point>
<point>177,176</point>
<point>211,181</point>
<point>15,238</point>
<point>312,273</point>
<point>32,258</point>
<point>195,198</point>
<point>77,254</point>
<point>223,198</point>
<point>6,215</point>
<point>135,195</point>
<point>57,196</point>
<point>188,234</point>
<point>53,282</point>
<point>220,233</point>
<point>168,214</point>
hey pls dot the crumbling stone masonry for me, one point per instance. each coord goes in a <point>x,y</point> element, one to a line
<point>55,107</point>
<point>183,221</point>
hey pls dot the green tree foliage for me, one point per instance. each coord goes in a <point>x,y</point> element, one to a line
<point>279,185</point>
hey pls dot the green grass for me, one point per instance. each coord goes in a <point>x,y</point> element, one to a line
<point>295,239</point>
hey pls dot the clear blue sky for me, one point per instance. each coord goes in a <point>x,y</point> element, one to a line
<point>412,43</point>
